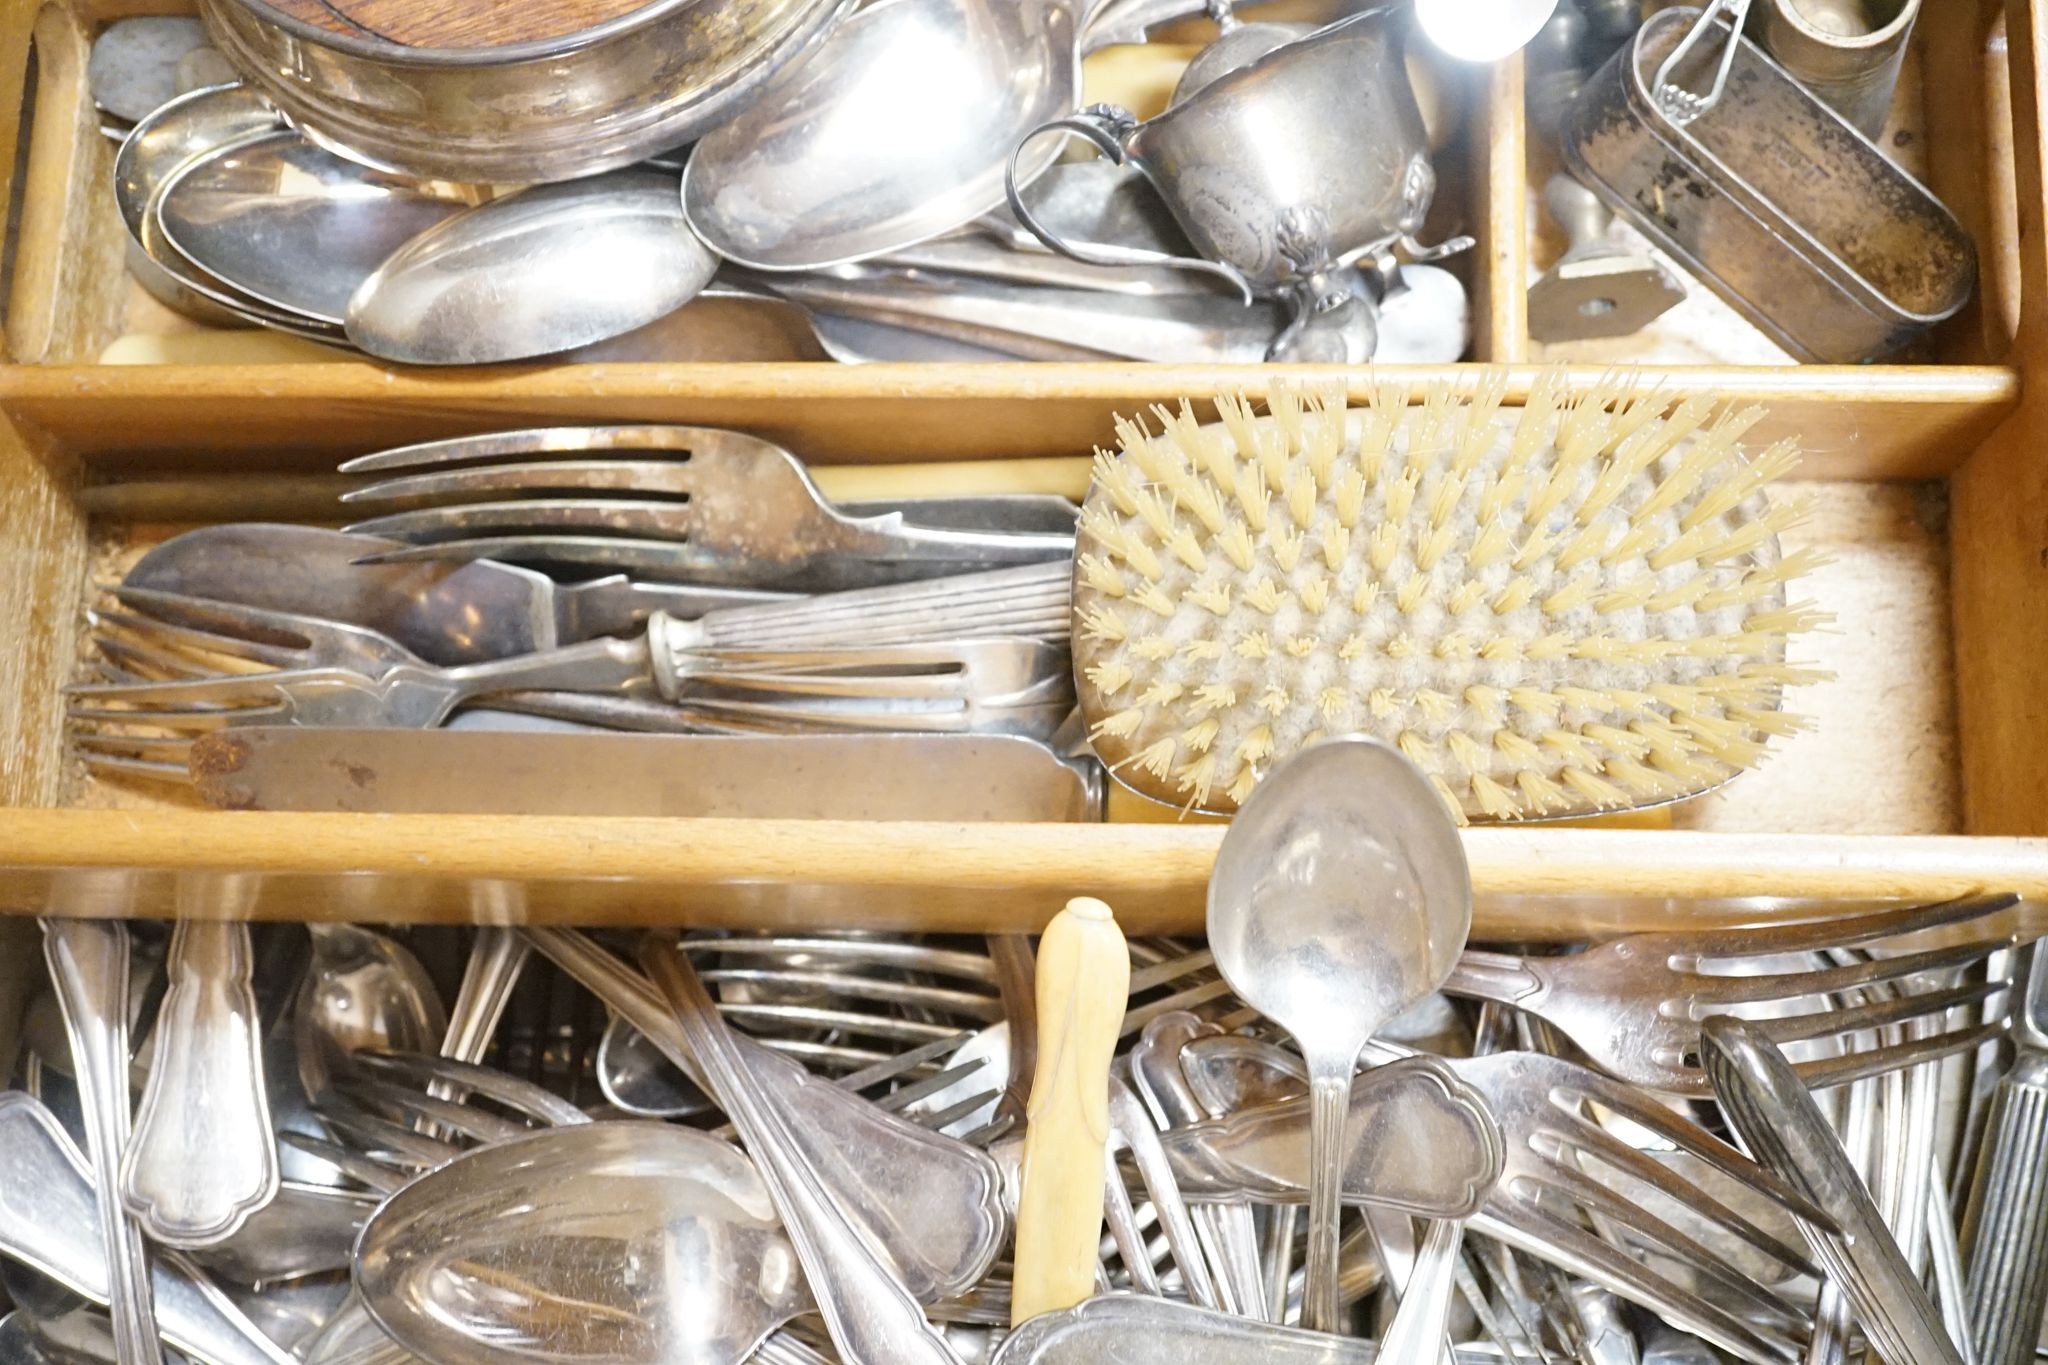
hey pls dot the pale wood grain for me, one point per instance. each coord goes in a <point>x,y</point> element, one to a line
<point>1500,311</point>
<point>1854,422</point>
<point>1548,884</point>
<point>1999,503</point>
<point>42,535</point>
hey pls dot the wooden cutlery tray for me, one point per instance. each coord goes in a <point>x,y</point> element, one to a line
<point>1926,776</point>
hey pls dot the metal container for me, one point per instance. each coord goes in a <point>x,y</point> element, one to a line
<point>1835,49</point>
<point>1773,200</point>
<point>601,98</point>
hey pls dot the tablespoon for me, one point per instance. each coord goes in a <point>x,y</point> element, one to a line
<point>1340,897</point>
<point>606,1242</point>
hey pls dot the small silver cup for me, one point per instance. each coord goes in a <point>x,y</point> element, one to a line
<point>1847,52</point>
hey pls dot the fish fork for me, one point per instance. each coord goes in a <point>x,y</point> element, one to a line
<point>693,504</point>
<point>1634,1004</point>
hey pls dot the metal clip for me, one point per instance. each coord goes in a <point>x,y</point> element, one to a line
<point>1683,106</point>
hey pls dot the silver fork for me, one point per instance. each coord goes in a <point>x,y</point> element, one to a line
<point>988,686</point>
<point>683,503</point>
<point>1634,1004</point>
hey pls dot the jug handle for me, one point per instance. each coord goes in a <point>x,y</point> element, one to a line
<point>1103,127</point>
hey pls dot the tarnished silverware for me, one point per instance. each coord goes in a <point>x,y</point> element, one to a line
<point>1770,1107</point>
<point>88,961</point>
<point>202,1157</point>
<point>1633,1003</point>
<point>868,1303</point>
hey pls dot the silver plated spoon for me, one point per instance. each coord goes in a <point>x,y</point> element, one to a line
<point>1340,897</point>
<point>546,270</point>
<point>634,1243</point>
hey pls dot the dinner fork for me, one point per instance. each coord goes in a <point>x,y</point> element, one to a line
<point>1634,1004</point>
<point>692,504</point>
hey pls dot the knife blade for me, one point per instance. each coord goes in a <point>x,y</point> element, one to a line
<point>525,772</point>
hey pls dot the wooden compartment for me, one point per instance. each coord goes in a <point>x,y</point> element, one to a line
<point>1927,775</point>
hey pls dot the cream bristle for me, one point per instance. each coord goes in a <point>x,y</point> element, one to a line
<point>1197,778</point>
<point>1264,596</point>
<point>1110,678</point>
<point>1533,549</point>
<point>1513,596</point>
<point>1236,542</point>
<point>1489,545</point>
<point>1251,495</point>
<point>1385,543</point>
<point>1213,598</point>
<point>1301,496</point>
<point>1578,605</point>
<point>1155,758</point>
<point>1336,546</point>
<point>1100,623</point>
<point>1350,498</point>
<point>1572,596</point>
<point>1154,599</point>
<point>1499,494</point>
<point>1101,575</point>
<point>1113,477</point>
<point>1494,801</point>
<point>1488,702</point>
<point>1285,542</point>
<point>1718,501</point>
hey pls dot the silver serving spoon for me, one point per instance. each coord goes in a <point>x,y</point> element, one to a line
<point>294,226</point>
<point>633,1243</point>
<point>546,270</point>
<point>363,992</point>
<point>1340,897</point>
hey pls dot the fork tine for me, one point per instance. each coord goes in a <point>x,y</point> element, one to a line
<point>648,439</point>
<point>520,1096</point>
<point>905,1095</point>
<point>1624,1100</point>
<point>846,1021</point>
<point>1896,1010</point>
<point>1140,1015</point>
<point>641,518</point>
<point>380,1135</point>
<point>184,695</point>
<point>374,1174</point>
<point>854,952</point>
<point>668,558</point>
<point>1822,1073</point>
<point>406,1104</point>
<point>1715,993</point>
<point>155,770</point>
<point>1171,969</point>
<point>966,1004</point>
<point>1841,933</point>
<point>138,661</point>
<point>1590,1140</point>
<point>169,644</point>
<point>642,477</point>
<point>164,748</point>
<point>903,1063</point>
<point>208,618</point>
<point>938,1120</point>
<point>1546,1237</point>
<point>195,720</point>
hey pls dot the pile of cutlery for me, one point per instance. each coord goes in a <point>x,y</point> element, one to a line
<point>679,581</point>
<point>1760,1143</point>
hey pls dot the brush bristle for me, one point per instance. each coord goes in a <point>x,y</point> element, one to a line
<point>1575,607</point>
